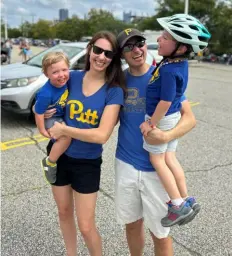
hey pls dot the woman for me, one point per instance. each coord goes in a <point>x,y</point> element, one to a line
<point>95,98</point>
<point>24,49</point>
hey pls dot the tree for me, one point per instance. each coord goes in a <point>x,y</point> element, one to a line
<point>14,33</point>
<point>42,29</point>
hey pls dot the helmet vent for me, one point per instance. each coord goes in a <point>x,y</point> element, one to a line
<point>181,34</point>
<point>205,31</point>
<point>201,47</point>
<point>193,27</point>
<point>203,39</point>
<point>176,19</point>
<point>177,25</point>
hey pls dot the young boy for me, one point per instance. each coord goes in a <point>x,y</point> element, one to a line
<point>53,94</point>
<point>182,35</point>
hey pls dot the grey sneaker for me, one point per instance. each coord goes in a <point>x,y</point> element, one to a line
<point>196,208</point>
<point>176,214</point>
<point>49,171</point>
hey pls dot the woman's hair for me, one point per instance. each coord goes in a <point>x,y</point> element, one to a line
<point>114,75</point>
<point>52,58</point>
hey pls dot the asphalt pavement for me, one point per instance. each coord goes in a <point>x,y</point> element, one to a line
<point>29,224</point>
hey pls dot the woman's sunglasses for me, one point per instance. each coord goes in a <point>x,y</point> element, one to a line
<point>129,47</point>
<point>97,50</point>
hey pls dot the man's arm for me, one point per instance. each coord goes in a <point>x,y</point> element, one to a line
<point>186,124</point>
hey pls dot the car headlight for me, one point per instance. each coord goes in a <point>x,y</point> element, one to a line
<point>21,82</point>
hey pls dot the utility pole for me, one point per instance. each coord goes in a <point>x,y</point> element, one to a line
<point>186,7</point>
<point>6,30</point>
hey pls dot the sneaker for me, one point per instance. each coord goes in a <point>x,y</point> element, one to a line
<point>176,214</point>
<point>49,171</point>
<point>196,208</point>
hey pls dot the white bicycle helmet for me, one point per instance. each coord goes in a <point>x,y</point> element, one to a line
<point>186,29</point>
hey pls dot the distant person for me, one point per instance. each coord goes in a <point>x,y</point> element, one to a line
<point>163,105</point>
<point>24,49</point>
<point>9,47</point>
<point>53,94</point>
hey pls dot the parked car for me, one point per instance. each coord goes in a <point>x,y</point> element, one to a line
<point>21,81</point>
<point>153,49</point>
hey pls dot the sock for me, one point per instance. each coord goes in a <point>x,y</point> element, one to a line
<point>49,162</point>
<point>177,201</point>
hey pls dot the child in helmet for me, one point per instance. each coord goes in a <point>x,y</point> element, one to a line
<point>182,35</point>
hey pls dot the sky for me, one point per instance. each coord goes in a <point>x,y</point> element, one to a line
<point>21,10</point>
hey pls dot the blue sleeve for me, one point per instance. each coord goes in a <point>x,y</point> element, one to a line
<point>168,86</point>
<point>43,100</point>
<point>74,76</point>
<point>115,95</point>
<point>183,98</point>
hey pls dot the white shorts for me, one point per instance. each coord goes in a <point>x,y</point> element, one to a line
<point>166,123</point>
<point>140,195</point>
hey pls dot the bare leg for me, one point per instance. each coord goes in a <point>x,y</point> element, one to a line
<point>64,200</point>
<point>163,246</point>
<point>178,172</point>
<point>135,237</point>
<point>85,210</point>
<point>165,174</point>
<point>58,148</point>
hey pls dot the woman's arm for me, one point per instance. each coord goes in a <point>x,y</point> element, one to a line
<point>186,124</point>
<point>98,135</point>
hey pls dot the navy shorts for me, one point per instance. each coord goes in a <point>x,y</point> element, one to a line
<point>82,174</point>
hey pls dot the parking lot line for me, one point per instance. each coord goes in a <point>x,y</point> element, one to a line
<point>22,142</point>
<point>39,138</point>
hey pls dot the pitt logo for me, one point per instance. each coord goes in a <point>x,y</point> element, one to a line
<point>127,31</point>
<point>155,75</point>
<point>76,111</point>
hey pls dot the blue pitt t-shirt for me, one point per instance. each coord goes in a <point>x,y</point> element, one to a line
<point>85,113</point>
<point>130,140</point>
<point>168,83</point>
<point>49,97</point>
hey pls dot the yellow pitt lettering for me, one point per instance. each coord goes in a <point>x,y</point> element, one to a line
<point>127,31</point>
<point>73,110</point>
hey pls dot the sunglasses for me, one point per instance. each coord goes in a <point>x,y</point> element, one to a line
<point>97,50</point>
<point>129,47</point>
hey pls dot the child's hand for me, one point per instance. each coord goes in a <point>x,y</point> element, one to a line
<point>45,133</point>
<point>145,128</point>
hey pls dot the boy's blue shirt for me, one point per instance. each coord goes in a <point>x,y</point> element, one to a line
<point>168,83</point>
<point>85,113</point>
<point>130,139</point>
<point>49,97</point>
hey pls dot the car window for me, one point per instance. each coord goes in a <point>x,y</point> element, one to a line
<point>70,51</point>
<point>152,46</point>
<point>79,64</point>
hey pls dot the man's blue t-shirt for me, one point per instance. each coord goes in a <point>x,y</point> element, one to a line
<point>49,97</point>
<point>168,83</point>
<point>130,140</point>
<point>85,113</point>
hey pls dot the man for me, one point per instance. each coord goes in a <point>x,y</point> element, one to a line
<point>139,194</point>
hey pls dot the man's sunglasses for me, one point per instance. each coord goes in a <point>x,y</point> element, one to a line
<point>129,47</point>
<point>97,50</point>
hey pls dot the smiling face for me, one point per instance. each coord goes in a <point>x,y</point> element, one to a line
<point>58,73</point>
<point>99,60</point>
<point>137,55</point>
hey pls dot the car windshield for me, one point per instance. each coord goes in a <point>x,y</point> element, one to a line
<point>71,51</point>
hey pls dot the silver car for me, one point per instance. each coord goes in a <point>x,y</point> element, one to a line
<point>21,81</point>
